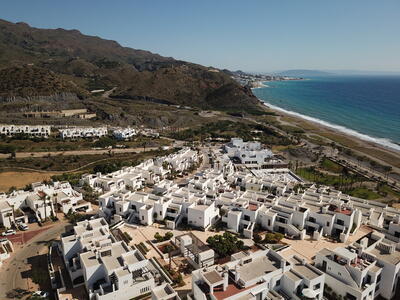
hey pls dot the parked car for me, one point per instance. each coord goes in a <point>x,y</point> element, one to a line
<point>32,220</point>
<point>41,294</point>
<point>9,232</point>
<point>23,226</point>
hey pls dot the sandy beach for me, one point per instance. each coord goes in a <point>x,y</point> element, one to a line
<point>384,155</point>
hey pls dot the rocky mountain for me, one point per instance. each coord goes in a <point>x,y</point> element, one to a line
<point>44,62</point>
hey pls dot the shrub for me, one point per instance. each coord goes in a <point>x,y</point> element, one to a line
<point>257,238</point>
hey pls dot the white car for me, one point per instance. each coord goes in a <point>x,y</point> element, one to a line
<point>41,294</point>
<point>9,232</point>
<point>23,226</point>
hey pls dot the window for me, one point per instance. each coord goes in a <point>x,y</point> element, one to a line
<point>350,296</point>
<point>311,219</point>
<point>397,234</point>
<point>340,222</point>
<point>278,283</point>
<point>327,223</point>
<point>142,218</point>
<point>317,286</point>
<point>378,279</point>
<point>269,222</point>
<point>246,218</point>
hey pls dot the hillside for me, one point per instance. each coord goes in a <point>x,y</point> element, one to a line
<point>44,62</point>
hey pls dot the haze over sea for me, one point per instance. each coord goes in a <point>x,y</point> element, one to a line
<point>365,106</point>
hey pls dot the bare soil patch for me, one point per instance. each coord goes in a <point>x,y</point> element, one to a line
<point>21,179</point>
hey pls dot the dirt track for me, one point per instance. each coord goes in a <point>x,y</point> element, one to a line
<point>77,152</point>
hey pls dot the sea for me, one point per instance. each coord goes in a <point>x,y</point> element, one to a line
<point>367,107</point>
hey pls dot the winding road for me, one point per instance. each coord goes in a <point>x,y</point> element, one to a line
<point>12,272</point>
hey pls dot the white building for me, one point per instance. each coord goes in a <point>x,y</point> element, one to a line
<point>348,274</point>
<point>124,133</point>
<point>110,269</point>
<point>44,200</point>
<point>258,275</point>
<point>250,154</point>
<point>6,247</point>
<point>31,130</point>
<point>83,132</point>
<point>198,254</point>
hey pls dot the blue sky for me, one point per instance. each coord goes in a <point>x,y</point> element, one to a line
<point>249,35</point>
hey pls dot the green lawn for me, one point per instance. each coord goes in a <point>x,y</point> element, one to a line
<point>364,193</point>
<point>331,166</point>
<point>338,181</point>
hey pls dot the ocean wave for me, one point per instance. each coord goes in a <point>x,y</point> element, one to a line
<point>387,143</point>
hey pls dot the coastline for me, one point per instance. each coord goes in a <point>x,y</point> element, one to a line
<point>382,142</point>
<point>358,142</point>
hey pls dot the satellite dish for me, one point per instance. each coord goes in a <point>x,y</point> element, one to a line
<point>309,293</point>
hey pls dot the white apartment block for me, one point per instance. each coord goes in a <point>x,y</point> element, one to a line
<point>124,133</point>
<point>265,198</point>
<point>44,200</point>
<point>110,268</point>
<point>150,172</point>
<point>83,132</point>
<point>250,154</point>
<point>31,130</point>
<point>258,275</point>
<point>198,254</point>
<point>241,199</point>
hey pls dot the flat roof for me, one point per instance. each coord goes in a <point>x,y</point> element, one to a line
<point>213,277</point>
<point>257,268</point>
<point>392,258</point>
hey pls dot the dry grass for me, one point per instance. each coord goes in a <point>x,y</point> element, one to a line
<point>21,179</point>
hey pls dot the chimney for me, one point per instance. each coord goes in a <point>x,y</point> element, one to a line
<point>282,264</point>
<point>236,274</point>
<point>225,277</point>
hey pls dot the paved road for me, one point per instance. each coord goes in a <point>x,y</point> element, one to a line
<point>11,272</point>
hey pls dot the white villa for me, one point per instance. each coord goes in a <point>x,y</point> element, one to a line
<point>259,275</point>
<point>31,130</point>
<point>110,268</point>
<point>83,132</point>
<point>43,200</point>
<point>124,133</point>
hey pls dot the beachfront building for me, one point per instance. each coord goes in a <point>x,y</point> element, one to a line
<point>110,268</point>
<point>30,130</point>
<point>250,154</point>
<point>83,132</point>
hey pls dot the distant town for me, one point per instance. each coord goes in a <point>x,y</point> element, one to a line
<point>256,80</point>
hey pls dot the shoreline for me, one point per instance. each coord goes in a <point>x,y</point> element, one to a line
<point>369,148</point>
<point>385,143</point>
